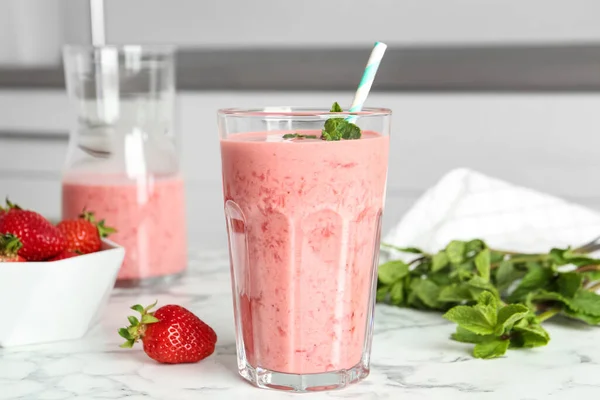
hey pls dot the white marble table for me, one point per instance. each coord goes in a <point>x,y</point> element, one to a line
<point>412,357</point>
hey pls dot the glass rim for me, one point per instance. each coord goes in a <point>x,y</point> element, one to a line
<point>300,112</point>
<point>120,48</point>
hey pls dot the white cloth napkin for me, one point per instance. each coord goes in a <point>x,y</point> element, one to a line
<point>466,205</point>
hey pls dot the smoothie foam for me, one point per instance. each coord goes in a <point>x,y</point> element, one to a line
<point>304,222</point>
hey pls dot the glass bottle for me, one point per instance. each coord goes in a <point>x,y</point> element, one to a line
<point>123,161</point>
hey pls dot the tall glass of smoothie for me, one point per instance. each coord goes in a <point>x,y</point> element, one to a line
<point>303,217</point>
<point>123,162</point>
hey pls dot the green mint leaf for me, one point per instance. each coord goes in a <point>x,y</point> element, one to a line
<point>440,278</point>
<point>543,295</point>
<point>336,108</point>
<point>567,256</point>
<point>557,256</point>
<point>439,261</point>
<point>298,136</point>
<point>487,304</point>
<point>350,131</point>
<point>478,285</point>
<point>471,319</point>
<point>588,319</point>
<point>536,278</point>
<point>382,294</point>
<point>338,128</point>
<point>412,250</point>
<point>412,297</point>
<point>591,276</point>
<point>133,321</point>
<point>569,283</point>
<point>397,293</point>
<point>456,293</point>
<point>456,251</point>
<point>585,302</point>
<point>483,264</point>
<point>392,271</point>
<point>428,292</point>
<point>529,336</point>
<point>510,315</point>
<point>491,348</point>
<point>465,336</point>
<point>506,275</point>
<point>332,132</point>
<point>474,246</point>
<point>496,256</point>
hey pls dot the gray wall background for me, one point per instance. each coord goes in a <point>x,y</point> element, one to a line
<point>31,31</point>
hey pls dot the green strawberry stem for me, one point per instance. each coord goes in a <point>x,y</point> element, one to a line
<point>10,244</point>
<point>137,328</point>
<point>11,206</point>
<point>103,230</point>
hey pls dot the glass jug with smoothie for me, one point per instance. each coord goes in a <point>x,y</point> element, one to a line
<point>123,162</point>
<point>304,193</point>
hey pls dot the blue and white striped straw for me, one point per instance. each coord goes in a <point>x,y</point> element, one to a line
<point>367,79</point>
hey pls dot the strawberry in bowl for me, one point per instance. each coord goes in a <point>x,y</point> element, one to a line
<point>57,288</point>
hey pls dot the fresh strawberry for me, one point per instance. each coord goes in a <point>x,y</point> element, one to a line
<point>65,254</point>
<point>84,234</point>
<point>41,240</point>
<point>170,335</point>
<point>9,247</point>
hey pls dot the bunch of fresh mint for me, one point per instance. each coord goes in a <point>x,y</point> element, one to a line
<point>497,298</point>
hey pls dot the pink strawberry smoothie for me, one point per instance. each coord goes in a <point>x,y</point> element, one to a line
<point>149,217</point>
<point>304,224</point>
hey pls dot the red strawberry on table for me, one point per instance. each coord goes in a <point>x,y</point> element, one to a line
<point>9,247</point>
<point>84,234</point>
<point>41,240</point>
<point>170,335</point>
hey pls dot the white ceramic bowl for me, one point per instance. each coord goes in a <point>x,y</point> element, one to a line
<point>59,300</point>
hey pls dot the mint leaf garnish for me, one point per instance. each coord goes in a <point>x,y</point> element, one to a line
<point>298,136</point>
<point>338,128</point>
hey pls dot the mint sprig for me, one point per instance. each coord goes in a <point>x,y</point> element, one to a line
<point>338,128</point>
<point>494,327</point>
<point>497,298</point>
